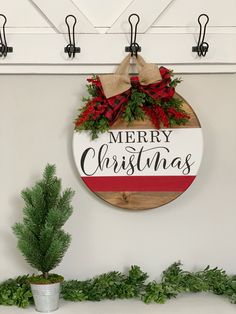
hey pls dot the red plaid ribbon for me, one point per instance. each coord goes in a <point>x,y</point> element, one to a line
<point>114,105</point>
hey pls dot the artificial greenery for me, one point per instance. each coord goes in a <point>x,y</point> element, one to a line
<point>41,239</point>
<point>94,126</point>
<point>164,111</point>
<point>133,108</point>
<point>112,285</point>
<point>16,292</point>
<point>133,285</point>
<point>138,100</point>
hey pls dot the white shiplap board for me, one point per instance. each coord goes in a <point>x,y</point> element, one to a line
<point>102,13</point>
<point>167,31</point>
<point>221,13</point>
<point>149,11</point>
<point>55,11</point>
<point>22,13</point>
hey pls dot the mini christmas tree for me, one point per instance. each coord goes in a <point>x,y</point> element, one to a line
<point>41,239</point>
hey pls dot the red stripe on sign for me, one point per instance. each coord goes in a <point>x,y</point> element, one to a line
<point>139,183</point>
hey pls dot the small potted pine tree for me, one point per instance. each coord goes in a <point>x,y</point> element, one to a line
<point>41,239</point>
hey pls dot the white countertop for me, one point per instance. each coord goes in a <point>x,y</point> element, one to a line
<point>200,303</point>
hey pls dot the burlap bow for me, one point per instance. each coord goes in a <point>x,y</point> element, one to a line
<point>119,82</point>
<point>115,89</point>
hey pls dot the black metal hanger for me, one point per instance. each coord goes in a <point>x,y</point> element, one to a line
<point>4,49</point>
<point>71,49</point>
<point>134,47</point>
<point>202,46</point>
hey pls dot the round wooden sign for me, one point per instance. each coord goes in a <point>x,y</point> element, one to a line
<point>137,166</point>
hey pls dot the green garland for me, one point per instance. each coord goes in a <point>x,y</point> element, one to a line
<point>134,285</point>
<point>16,292</point>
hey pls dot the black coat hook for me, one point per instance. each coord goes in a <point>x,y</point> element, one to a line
<point>71,49</point>
<point>202,46</point>
<point>4,49</point>
<point>134,47</point>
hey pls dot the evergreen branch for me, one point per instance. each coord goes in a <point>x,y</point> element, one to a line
<point>59,244</point>
<point>49,173</point>
<point>95,127</point>
<point>175,82</point>
<point>28,244</point>
<point>41,240</point>
<point>133,108</point>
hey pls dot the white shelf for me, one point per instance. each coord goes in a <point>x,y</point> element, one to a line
<point>186,304</point>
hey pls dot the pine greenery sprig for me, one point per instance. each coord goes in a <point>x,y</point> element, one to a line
<point>133,108</point>
<point>41,239</point>
<point>95,127</point>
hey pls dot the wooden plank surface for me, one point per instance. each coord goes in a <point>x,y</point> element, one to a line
<point>138,200</point>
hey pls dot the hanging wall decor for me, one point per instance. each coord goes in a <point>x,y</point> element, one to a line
<point>137,143</point>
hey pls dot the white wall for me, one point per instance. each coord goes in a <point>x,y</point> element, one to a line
<point>199,227</point>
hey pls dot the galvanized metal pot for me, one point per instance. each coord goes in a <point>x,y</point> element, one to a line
<point>46,297</point>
